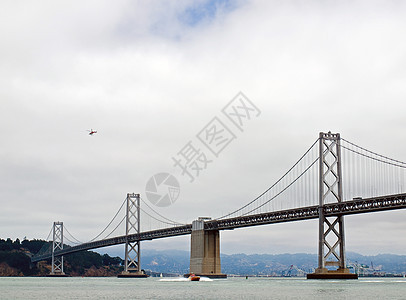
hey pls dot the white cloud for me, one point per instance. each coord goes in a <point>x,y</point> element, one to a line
<point>148,82</point>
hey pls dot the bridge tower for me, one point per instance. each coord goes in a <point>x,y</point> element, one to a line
<point>331,230</point>
<point>205,251</point>
<point>132,261</point>
<point>57,244</point>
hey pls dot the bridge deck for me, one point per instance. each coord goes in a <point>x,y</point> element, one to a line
<point>356,206</point>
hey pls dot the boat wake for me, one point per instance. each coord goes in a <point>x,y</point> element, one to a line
<point>182,279</point>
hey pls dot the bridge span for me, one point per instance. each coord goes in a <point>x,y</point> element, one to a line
<point>356,206</point>
<point>315,187</point>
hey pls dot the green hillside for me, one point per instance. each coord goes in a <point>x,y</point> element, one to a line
<point>15,260</point>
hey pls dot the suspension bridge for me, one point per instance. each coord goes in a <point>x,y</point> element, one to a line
<point>332,179</point>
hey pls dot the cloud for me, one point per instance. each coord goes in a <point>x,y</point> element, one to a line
<point>150,75</point>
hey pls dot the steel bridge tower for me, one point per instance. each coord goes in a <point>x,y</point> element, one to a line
<point>57,244</point>
<point>331,230</point>
<point>132,261</point>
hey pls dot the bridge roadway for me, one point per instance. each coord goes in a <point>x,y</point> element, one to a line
<point>355,206</point>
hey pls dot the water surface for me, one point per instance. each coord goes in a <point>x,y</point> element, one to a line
<point>231,288</point>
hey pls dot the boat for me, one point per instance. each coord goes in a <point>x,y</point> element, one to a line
<point>193,277</point>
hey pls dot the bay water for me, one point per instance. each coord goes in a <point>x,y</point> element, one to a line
<point>179,288</point>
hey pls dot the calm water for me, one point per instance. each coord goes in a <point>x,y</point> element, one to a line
<point>232,288</point>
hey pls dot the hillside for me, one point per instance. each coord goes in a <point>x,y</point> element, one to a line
<point>15,261</point>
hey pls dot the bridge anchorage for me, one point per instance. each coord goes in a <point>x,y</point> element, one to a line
<point>330,189</point>
<point>132,260</point>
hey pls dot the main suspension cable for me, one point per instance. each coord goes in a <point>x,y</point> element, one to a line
<point>284,189</point>
<point>72,242</point>
<point>66,229</point>
<point>377,154</point>
<point>158,219</point>
<point>377,159</point>
<point>169,220</point>
<point>115,227</point>
<point>280,179</point>
<point>110,222</point>
<point>49,234</point>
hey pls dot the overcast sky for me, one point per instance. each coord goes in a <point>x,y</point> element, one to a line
<point>150,75</point>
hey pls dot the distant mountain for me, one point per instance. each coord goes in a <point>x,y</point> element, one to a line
<point>266,264</point>
<point>173,261</point>
<point>388,263</point>
<point>15,261</point>
<point>170,261</point>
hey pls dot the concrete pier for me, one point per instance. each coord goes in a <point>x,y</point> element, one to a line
<point>132,275</point>
<point>323,273</point>
<point>57,275</point>
<point>205,252</point>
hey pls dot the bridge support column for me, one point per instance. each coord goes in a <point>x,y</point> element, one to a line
<point>57,244</point>
<point>132,261</point>
<point>205,251</point>
<point>331,230</point>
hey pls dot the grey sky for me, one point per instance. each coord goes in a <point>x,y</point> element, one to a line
<point>149,75</point>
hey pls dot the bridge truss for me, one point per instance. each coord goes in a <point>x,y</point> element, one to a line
<point>356,206</point>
